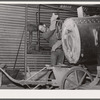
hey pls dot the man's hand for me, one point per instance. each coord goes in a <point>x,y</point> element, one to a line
<point>53,21</point>
<point>53,17</point>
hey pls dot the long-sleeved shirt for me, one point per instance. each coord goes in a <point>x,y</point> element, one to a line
<point>50,36</point>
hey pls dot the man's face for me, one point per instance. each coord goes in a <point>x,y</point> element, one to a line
<point>42,28</point>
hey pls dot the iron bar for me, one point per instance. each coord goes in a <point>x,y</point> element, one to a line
<point>57,8</point>
<point>38,35</point>
<point>25,40</point>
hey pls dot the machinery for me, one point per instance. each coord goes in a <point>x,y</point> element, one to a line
<point>80,38</point>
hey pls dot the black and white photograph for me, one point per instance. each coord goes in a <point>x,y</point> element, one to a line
<point>50,46</point>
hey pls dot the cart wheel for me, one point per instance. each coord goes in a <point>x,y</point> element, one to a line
<point>76,78</point>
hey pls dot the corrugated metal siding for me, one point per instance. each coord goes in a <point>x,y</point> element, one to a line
<point>12,23</point>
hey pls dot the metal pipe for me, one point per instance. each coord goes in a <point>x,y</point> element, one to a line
<point>37,24</point>
<point>38,35</point>
<point>58,11</point>
<point>53,12</point>
<point>37,28</point>
<point>56,8</point>
<point>25,40</point>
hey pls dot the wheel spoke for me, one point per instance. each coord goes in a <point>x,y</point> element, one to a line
<point>70,81</point>
<point>76,77</point>
<point>82,79</point>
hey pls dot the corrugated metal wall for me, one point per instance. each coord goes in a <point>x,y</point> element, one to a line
<point>12,23</point>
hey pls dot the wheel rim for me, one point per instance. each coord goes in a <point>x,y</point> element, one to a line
<point>75,78</point>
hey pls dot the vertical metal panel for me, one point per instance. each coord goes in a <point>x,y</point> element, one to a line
<point>12,22</point>
<point>25,40</point>
<point>36,61</point>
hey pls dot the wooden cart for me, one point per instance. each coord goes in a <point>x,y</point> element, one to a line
<point>58,77</point>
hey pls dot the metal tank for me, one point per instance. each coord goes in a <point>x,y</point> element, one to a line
<point>80,39</point>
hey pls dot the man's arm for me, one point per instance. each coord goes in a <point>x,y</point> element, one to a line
<point>52,27</point>
<point>48,34</point>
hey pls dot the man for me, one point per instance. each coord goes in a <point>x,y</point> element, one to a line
<point>53,35</point>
